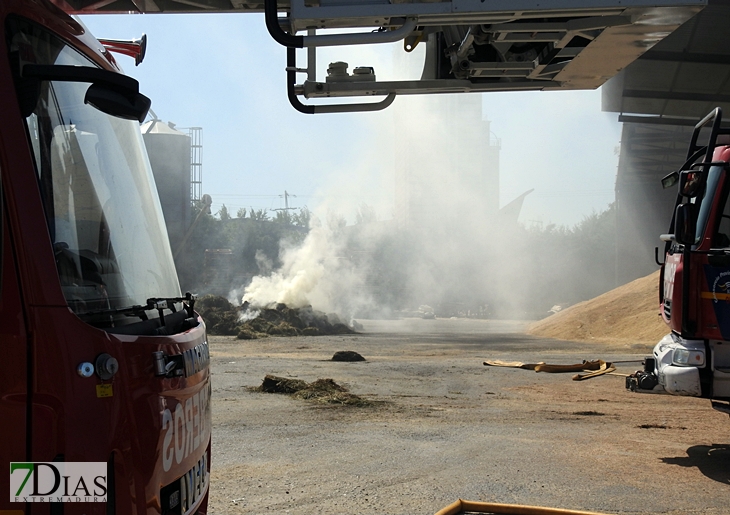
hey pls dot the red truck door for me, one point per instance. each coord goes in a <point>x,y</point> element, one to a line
<point>13,367</point>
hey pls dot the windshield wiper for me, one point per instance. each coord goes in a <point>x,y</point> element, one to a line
<point>158,303</point>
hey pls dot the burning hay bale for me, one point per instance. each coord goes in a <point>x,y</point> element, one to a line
<point>324,391</point>
<point>248,323</point>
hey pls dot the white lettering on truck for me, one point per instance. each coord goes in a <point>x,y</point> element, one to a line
<point>167,453</point>
<point>186,429</point>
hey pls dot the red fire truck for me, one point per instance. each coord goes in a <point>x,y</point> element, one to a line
<point>694,359</point>
<point>103,359</point>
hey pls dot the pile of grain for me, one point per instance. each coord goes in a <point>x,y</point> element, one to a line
<point>627,315</point>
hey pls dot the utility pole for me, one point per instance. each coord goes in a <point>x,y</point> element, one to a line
<point>286,196</point>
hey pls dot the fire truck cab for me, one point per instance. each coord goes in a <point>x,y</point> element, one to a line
<point>103,358</point>
<point>694,359</point>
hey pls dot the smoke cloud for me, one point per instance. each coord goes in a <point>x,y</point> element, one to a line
<point>443,243</point>
<point>315,273</point>
<point>444,196</point>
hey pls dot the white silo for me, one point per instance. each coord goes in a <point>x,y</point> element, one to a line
<point>169,154</point>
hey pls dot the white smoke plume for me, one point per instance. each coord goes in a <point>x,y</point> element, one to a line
<point>248,314</point>
<point>447,245</point>
<point>416,258</point>
<point>315,273</point>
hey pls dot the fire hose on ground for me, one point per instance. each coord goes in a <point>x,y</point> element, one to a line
<point>462,506</point>
<point>590,369</point>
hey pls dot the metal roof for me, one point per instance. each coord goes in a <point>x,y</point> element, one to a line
<point>659,97</point>
<point>471,45</point>
<point>680,79</point>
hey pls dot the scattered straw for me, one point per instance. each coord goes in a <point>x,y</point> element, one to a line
<point>321,391</point>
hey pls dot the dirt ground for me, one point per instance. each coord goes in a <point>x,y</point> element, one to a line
<point>444,426</point>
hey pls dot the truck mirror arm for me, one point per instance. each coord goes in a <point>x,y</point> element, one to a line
<point>110,92</point>
<point>122,83</point>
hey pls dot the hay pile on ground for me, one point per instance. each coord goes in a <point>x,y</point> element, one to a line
<point>220,316</point>
<point>347,355</point>
<point>323,391</point>
<point>245,322</point>
<point>628,314</point>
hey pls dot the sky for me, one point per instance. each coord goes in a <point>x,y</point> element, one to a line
<point>225,74</point>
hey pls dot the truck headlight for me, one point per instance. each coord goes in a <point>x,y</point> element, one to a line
<point>688,358</point>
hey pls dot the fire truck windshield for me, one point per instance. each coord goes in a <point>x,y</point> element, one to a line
<point>99,195</point>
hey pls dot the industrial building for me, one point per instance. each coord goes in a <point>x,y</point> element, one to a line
<point>659,98</point>
<point>432,166</point>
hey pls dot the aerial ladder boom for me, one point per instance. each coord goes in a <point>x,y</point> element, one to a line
<point>471,45</point>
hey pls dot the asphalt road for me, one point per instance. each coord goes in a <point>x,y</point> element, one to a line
<point>444,426</point>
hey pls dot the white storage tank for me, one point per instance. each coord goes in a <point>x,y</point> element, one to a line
<point>169,153</point>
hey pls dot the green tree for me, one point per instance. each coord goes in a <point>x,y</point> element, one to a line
<point>283,217</point>
<point>260,215</point>
<point>223,214</point>
<point>241,213</point>
<point>302,218</point>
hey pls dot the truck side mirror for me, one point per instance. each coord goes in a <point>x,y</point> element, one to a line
<point>115,103</point>
<point>685,224</point>
<point>690,183</point>
<point>670,180</point>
